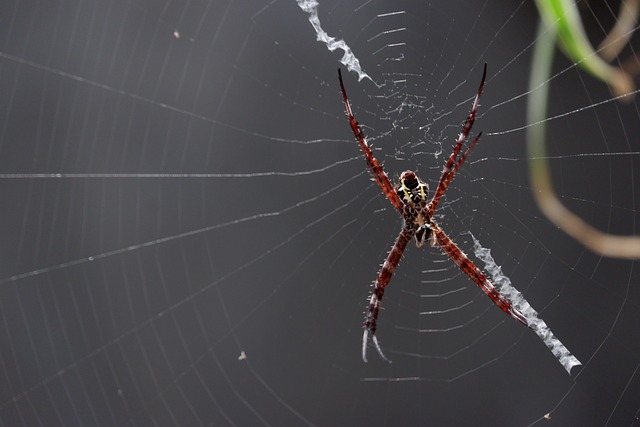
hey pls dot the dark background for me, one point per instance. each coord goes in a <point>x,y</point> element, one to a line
<point>216,204</point>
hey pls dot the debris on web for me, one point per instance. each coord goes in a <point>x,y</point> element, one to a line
<point>503,284</point>
<point>349,60</point>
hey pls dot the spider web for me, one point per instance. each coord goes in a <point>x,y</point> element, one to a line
<point>189,231</point>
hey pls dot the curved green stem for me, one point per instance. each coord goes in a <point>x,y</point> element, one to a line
<point>539,170</point>
<point>563,17</point>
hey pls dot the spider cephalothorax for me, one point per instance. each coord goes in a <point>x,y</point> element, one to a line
<point>412,190</point>
<point>409,198</point>
<point>413,193</point>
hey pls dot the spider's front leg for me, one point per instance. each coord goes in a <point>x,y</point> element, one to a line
<point>374,165</point>
<point>453,163</point>
<point>384,276</point>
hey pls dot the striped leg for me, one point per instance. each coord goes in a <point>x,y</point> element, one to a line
<point>389,266</point>
<point>467,266</point>
<point>452,166</point>
<point>374,165</point>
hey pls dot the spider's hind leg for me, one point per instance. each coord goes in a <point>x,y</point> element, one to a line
<point>365,338</point>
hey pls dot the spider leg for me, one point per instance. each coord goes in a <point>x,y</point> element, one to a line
<point>461,160</point>
<point>470,269</point>
<point>452,166</point>
<point>374,165</point>
<point>384,276</point>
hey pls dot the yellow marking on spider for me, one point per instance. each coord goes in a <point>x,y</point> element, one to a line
<point>406,193</point>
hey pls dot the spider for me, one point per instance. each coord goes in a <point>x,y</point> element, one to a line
<point>409,198</point>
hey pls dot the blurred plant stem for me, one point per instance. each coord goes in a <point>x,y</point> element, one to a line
<point>539,171</point>
<point>563,17</point>
<point>621,33</point>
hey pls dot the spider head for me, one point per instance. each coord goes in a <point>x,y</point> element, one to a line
<point>412,190</point>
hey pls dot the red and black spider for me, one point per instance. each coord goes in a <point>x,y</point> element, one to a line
<point>409,198</point>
